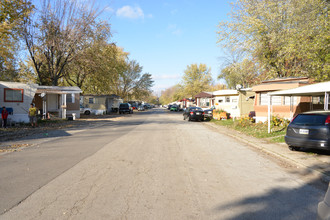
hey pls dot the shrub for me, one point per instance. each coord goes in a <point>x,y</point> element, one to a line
<point>244,122</point>
<point>277,121</point>
<point>218,111</point>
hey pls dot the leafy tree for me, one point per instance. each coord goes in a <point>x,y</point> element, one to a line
<point>152,99</point>
<point>56,34</point>
<point>243,73</point>
<point>12,14</point>
<point>142,89</point>
<point>131,83</point>
<point>196,78</point>
<point>171,94</point>
<point>91,68</point>
<point>26,73</point>
<point>217,87</point>
<point>285,38</point>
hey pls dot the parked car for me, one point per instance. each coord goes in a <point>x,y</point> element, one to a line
<point>323,208</point>
<point>85,111</point>
<point>194,113</point>
<point>208,114</point>
<point>174,108</point>
<point>309,130</point>
<point>125,108</point>
<point>141,108</point>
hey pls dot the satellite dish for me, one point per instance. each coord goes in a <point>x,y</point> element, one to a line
<point>238,86</point>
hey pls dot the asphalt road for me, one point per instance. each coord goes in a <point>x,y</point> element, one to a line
<point>150,165</point>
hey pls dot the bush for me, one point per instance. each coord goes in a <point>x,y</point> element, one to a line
<point>244,122</point>
<point>218,111</point>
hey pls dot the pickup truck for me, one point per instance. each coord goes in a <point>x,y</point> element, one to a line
<point>85,111</point>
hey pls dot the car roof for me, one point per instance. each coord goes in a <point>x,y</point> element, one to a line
<point>320,112</point>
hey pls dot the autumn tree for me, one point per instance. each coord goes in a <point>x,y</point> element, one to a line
<point>171,94</point>
<point>131,83</point>
<point>12,14</point>
<point>196,78</point>
<point>243,73</point>
<point>56,34</point>
<point>284,38</point>
<point>216,87</point>
<point>91,69</point>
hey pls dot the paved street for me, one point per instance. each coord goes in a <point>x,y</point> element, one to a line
<point>150,165</point>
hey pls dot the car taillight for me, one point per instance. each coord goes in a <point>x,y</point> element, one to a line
<point>191,113</point>
<point>327,121</point>
<point>203,113</point>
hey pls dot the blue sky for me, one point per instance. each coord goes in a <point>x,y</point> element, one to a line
<point>166,36</point>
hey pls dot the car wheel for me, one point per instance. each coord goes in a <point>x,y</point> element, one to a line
<point>189,119</point>
<point>294,148</point>
<point>87,113</point>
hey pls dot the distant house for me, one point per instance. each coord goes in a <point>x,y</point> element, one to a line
<point>59,101</point>
<point>204,99</point>
<point>17,97</point>
<point>280,104</point>
<point>236,102</point>
<point>56,100</point>
<point>101,103</point>
<point>186,102</point>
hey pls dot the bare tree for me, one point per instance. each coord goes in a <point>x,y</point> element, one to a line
<point>56,34</point>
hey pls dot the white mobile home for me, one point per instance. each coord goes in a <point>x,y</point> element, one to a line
<point>18,97</point>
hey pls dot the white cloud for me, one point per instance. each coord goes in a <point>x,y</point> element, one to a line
<point>109,9</point>
<point>131,12</point>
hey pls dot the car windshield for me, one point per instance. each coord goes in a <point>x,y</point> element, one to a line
<point>123,105</point>
<point>309,119</point>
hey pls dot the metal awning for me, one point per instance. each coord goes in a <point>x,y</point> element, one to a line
<point>317,89</point>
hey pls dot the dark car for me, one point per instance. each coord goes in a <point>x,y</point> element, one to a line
<point>208,114</point>
<point>125,108</point>
<point>309,130</point>
<point>193,113</point>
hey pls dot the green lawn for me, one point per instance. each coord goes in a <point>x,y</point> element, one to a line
<point>258,130</point>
